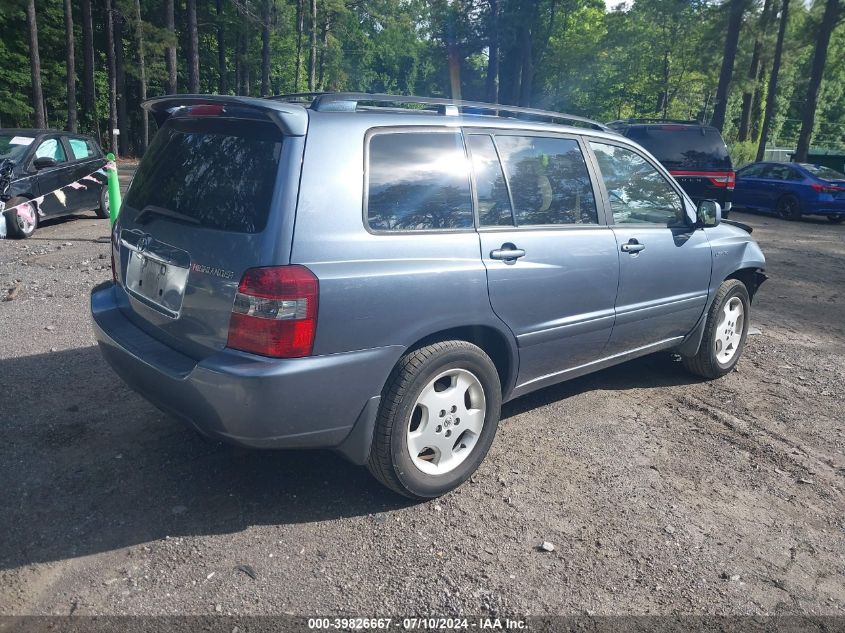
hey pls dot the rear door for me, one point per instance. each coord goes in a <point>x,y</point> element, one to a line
<point>202,208</point>
<point>551,261</point>
<point>85,160</point>
<point>664,262</point>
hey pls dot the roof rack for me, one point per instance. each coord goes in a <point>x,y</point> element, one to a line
<point>636,121</point>
<point>349,102</point>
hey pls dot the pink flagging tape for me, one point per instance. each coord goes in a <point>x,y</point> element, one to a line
<point>25,210</point>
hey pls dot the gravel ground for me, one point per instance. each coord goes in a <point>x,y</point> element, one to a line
<point>660,493</point>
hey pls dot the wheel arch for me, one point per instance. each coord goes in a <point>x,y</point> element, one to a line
<point>752,277</point>
<point>496,344</point>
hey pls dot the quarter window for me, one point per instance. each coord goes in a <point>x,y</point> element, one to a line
<point>51,148</point>
<point>418,181</point>
<point>548,180</point>
<point>494,205</point>
<point>639,194</point>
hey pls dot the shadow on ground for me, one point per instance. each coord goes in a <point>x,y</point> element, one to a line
<point>88,466</point>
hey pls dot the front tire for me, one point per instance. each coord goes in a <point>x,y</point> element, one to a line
<point>23,221</point>
<point>789,208</point>
<point>725,332</point>
<point>438,416</point>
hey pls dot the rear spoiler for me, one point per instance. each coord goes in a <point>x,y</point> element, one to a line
<point>291,118</point>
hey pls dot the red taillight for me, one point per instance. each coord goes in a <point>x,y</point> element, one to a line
<point>721,179</point>
<point>208,109</point>
<point>820,188</point>
<point>731,180</point>
<point>275,312</point>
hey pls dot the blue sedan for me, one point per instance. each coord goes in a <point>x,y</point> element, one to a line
<point>791,190</point>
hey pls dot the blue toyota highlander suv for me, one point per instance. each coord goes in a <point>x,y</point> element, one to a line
<point>353,273</point>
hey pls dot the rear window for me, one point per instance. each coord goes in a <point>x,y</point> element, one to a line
<point>683,147</point>
<point>820,171</point>
<point>418,181</point>
<point>221,172</point>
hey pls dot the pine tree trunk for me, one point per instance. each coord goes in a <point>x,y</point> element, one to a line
<point>771,96</point>
<point>312,64</point>
<point>238,71</point>
<point>265,48</point>
<point>753,75</point>
<point>120,69</point>
<point>492,86</point>
<point>321,83</point>
<point>193,48</point>
<point>70,65</point>
<point>112,78</point>
<point>170,52</point>
<point>222,87</point>
<point>832,12</point>
<point>737,10</point>
<point>526,86</point>
<point>35,67</point>
<point>300,26</point>
<point>88,94</point>
<point>142,77</point>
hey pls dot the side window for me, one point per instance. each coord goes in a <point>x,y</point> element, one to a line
<point>79,148</point>
<point>93,150</point>
<point>753,171</point>
<point>548,180</point>
<point>781,172</point>
<point>51,148</point>
<point>494,205</point>
<point>418,181</point>
<point>639,194</point>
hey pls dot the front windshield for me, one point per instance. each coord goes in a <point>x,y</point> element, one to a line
<point>820,171</point>
<point>12,147</point>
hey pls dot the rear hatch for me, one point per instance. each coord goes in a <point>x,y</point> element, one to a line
<point>696,155</point>
<point>211,198</point>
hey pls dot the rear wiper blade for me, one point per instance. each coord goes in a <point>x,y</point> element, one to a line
<point>151,210</point>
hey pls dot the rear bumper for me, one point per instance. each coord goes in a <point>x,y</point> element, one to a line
<point>246,399</point>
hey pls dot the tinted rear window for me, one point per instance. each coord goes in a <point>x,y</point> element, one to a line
<point>221,172</point>
<point>418,181</point>
<point>820,171</point>
<point>683,147</point>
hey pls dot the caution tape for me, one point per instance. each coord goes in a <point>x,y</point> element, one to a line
<point>24,209</point>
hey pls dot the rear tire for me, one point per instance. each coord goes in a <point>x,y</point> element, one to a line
<point>422,448</point>
<point>789,208</point>
<point>20,225</point>
<point>724,332</point>
<point>836,219</point>
<point>103,210</point>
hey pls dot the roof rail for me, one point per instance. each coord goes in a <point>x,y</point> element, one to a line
<point>635,121</point>
<point>349,102</point>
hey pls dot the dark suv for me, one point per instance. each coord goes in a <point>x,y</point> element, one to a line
<point>47,173</point>
<point>695,154</point>
<point>348,274</point>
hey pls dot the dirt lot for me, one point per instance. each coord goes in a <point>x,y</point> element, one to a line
<point>661,493</point>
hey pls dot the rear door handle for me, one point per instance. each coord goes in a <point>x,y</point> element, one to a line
<point>633,246</point>
<point>508,252</point>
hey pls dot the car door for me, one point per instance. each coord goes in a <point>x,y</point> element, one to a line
<point>551,262</point>
<point>85,160</point>
<point>664,261</point>
<point>50,180</point>
<point>747,190</point>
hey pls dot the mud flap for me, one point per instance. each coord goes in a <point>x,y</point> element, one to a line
<point>356,446</point>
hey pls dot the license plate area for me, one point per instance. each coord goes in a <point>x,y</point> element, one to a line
<point>157,279</point>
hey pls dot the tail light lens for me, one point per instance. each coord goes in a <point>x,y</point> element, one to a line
<point>820,188</point>
<point>726,181</point>
<point>275,312</point>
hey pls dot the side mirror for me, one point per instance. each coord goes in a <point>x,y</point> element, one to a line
<point>709,213</point>
<point>44,162</point>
